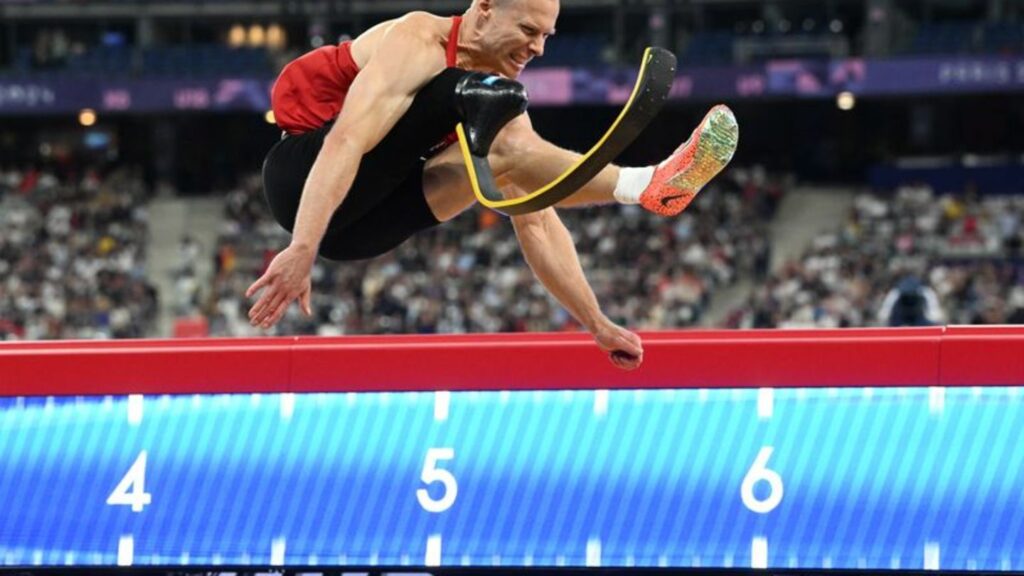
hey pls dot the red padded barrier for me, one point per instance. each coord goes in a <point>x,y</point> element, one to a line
<point>982,356</point>
<point>145,368</point>
<point>957,356</point>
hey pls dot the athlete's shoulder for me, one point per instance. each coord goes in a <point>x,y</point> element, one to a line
<point>421,26</point>
<point>422,18</point>
<point>413,33</point>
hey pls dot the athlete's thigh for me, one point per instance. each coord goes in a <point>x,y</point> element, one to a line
<point>403,213</point>
<point>289,162</point>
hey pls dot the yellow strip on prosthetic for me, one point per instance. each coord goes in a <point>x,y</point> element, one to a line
<point>499,204</point>
<point>467,159</point>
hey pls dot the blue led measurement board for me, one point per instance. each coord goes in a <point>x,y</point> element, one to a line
<point>906,478</point>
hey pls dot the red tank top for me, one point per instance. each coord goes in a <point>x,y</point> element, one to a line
<point>311,89</point>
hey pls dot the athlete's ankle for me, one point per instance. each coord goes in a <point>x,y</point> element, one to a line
<point>631,183</point>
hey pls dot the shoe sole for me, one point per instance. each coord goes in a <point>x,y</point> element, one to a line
<point>717,139</point>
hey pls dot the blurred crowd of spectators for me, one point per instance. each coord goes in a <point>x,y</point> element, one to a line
<point>912,258</point>
<point>72,265</point>
<point>468,275</point>
<point>72,256</point>
<point>51,49</point>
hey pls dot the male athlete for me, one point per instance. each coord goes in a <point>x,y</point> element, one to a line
<point>366,163</point>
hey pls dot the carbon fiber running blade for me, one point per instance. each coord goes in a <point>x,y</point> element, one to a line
<point>649,95</point>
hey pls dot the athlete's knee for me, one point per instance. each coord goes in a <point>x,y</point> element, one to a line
<point>348,247</point>
<point>516,135</point>
<point>514,142</point>
<point>347,253</point>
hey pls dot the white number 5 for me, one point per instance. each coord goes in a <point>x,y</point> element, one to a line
<point>759,471</point>
<point>131,490</point>
<point>431,473</point>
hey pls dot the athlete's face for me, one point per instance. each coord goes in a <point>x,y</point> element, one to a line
<point>516,31</point>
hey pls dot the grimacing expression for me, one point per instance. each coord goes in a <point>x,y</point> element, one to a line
<point>516,30</point>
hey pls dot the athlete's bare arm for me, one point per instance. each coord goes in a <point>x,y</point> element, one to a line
<point>551,254</point>
<point>379,96</point>
<point>409,56</point>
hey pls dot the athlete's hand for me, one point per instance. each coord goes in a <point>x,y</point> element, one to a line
<point>623,347</point>
<point>286,279</point>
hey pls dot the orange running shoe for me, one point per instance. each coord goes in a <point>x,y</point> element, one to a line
<point>677,180</point>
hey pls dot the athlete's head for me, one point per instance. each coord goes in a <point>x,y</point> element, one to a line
<point>513,32</point>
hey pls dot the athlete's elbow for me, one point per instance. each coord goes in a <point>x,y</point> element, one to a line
<point>340,143</point>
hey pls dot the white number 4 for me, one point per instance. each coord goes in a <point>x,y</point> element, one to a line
<point>759,472</point>
<point>131,491</point>
<point>431,473</point>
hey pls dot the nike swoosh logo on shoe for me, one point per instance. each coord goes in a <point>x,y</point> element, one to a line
<point>666,199</point>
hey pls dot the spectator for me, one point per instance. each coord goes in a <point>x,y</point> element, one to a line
<point>911,303</point>
<point>966,247</point>
<point>71,256</point>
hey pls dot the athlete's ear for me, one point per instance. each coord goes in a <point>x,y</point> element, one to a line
<point>485,7</point>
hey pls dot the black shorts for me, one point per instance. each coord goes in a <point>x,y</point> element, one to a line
<point>385,205</point>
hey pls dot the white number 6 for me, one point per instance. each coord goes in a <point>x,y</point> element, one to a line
<point>758,472</point>
<point>431,473</point>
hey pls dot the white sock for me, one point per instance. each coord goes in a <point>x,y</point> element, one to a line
<point>632,182</point>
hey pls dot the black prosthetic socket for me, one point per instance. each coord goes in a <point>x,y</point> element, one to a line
<point>487,103</point>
